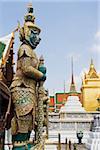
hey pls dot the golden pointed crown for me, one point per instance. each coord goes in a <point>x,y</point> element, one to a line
<point>30,18</point>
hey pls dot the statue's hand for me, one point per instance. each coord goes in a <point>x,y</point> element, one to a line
<point>43,70</point>
<point>43,78</point>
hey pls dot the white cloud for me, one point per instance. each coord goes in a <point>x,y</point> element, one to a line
<point>97,35</point>
<point>96,45</point>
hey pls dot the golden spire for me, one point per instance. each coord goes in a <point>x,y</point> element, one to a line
<point>91,65</point>
<point>92,72</point>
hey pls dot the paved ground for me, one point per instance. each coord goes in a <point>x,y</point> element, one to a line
<point>78,147</point>
<point>81,147</point>
<point>63,147</point>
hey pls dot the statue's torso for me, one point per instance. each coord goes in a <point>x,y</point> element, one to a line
<point>23,87</point>
<point>25,52</point>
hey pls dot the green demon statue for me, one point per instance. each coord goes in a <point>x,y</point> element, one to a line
<point>24,87</point>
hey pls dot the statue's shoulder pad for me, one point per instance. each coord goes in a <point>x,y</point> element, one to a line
<point>25,50</point>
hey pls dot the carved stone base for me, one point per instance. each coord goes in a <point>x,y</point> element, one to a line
<point>93,142</point>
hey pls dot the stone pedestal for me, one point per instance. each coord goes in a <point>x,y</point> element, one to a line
<point>93,143</point>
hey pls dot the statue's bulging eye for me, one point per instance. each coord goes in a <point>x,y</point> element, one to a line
<point>31,31</point>
<point>34,32</point>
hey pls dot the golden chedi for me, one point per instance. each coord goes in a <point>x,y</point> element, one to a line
<point>91,89</point>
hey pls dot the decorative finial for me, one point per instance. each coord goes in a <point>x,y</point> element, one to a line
<point>30,8</point>
<point>41,58</point>
<point>91,61</point>
<point>91,65</point>
<point>29,17</point>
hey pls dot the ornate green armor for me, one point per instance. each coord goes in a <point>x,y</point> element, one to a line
<point>23,89</point>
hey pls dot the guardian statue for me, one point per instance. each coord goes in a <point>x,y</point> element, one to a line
<point>26,82</point>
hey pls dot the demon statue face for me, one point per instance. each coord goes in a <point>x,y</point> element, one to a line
<point>32,36</point>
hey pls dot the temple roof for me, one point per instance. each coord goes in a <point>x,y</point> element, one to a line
<point>92,71</point>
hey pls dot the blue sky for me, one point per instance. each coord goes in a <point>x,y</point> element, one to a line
<point>68,28</point>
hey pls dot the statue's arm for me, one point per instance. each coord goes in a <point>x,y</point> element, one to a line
<point>29,70</point>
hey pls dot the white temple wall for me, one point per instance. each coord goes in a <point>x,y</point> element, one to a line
<point>68,125</point>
